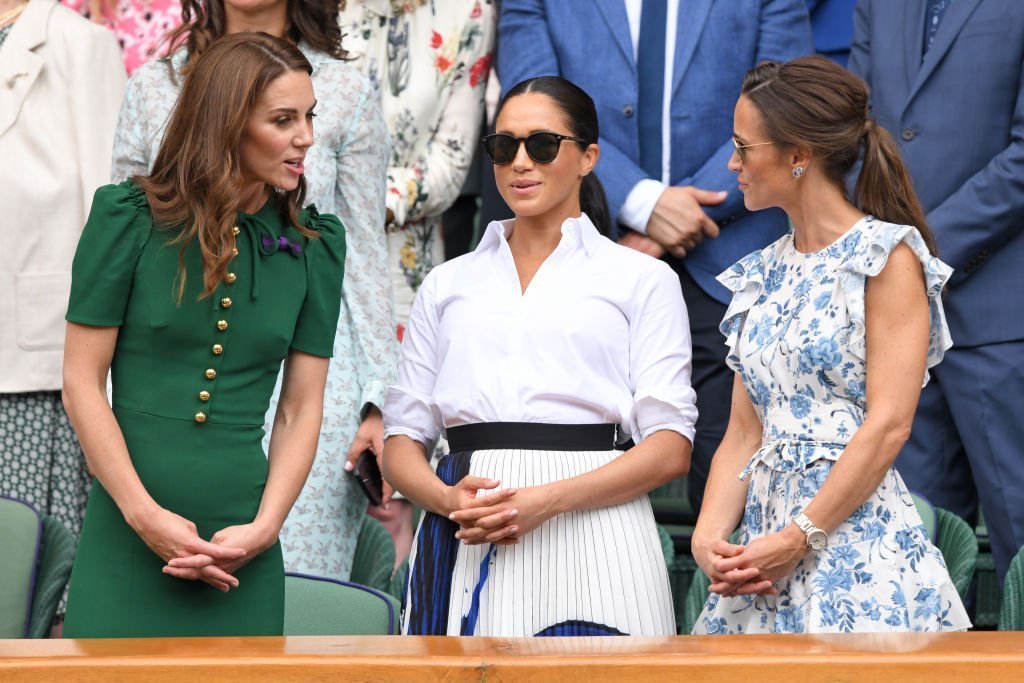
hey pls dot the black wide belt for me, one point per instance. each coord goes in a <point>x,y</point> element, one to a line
<point>537,436</point>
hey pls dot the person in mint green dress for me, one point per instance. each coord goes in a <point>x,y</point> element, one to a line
<point>191,285</point>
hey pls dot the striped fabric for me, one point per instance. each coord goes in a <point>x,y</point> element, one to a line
<point>594,572</point>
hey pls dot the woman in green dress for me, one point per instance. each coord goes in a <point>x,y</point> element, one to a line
<point>191,285</point>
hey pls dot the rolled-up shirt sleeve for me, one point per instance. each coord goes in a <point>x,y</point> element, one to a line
<point>660,359</point>
<point>409,408</point>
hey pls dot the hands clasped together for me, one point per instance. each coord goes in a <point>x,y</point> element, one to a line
<point>753,568</point>
<point>502,517</point>
<point>177,541</point>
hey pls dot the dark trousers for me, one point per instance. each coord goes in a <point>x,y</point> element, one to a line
<point>712,379</point>
<point>967,443</point>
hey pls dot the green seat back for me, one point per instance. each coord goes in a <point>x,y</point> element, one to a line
<point>316,606</point>
<point>927,512</point>
<point>956,541</point>
<point>374,560</point>
<point>667,546</point>
<point>1011,614</point>
<point>20,535</point>
<point>55,560</point>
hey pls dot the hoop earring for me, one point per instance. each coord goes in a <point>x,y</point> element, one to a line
<point>798,171</point>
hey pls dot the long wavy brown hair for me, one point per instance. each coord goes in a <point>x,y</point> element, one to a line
<point>314,22</point>
<point>196,179</point>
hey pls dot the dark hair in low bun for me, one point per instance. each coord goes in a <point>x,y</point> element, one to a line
<point>581,119</point>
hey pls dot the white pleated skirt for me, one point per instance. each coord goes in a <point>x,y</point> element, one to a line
<point>593,572</point>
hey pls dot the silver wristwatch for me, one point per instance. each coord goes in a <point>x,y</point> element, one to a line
<point>816,538</point>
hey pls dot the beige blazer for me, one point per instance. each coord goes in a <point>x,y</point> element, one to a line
<point>61,83</point>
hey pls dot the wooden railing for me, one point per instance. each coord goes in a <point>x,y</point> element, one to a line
<point>882,658</point>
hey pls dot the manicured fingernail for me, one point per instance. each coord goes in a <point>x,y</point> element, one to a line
<point>513,512</point>
<point>349,466</point>
<point>451,515</point>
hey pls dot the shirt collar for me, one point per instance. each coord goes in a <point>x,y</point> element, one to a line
<point>580,228</point>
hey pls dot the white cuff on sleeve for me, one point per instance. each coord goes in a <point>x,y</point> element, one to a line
<point>639,204</point>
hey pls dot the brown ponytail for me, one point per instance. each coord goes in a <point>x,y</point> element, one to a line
<point>884,188</point>
<point>815,103</point>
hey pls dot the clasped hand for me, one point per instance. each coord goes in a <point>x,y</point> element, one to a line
<point>751,569</point>
<point>679,223</point>
<point>502,517</point>
<point>188,556</point>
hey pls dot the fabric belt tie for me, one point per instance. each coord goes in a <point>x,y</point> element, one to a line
<point>538,436</point>
<point>792,455</point>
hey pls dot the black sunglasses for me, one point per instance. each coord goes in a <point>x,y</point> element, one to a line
<point>542,147</point>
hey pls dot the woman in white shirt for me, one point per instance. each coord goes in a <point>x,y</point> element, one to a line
<point>539,356</point>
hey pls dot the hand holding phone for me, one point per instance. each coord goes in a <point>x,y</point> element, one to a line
<point>367,473</point>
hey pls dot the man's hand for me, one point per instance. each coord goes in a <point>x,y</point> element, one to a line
<point>641,243</point>
<point>678,223</point>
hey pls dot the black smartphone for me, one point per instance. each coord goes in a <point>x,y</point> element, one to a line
<point>367,473</point>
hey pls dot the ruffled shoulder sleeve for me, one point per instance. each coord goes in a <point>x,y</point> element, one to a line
<point>745,279</point>
<point>108,252</point>
<point>868,255</point>
<point>325,269</point>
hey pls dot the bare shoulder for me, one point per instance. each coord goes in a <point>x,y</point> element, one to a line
<point>903,268</point>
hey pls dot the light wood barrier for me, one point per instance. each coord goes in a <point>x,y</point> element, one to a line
<point>902,658</point>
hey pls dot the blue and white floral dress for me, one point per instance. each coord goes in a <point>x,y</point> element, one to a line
<point>795,331</point>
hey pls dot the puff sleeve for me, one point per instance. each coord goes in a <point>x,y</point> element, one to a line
<point>325,269</point>
<point>868,260</point>
<point>745,279</point>
<point>108,252</point>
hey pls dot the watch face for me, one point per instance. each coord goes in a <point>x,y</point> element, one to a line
<point>817,539</point>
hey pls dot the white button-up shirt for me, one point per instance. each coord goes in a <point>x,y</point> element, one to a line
<point>599,336</point>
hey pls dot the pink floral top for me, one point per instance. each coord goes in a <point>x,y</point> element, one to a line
<point>140,25</point>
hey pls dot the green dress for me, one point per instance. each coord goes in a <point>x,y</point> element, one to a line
<point>191,384</point>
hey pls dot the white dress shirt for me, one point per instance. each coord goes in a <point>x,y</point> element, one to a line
<point>599,336</point>
<point>640,202</point>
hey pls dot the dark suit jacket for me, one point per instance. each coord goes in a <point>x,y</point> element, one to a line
<point>958,117</point>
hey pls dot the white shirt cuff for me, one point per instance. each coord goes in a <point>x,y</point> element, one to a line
<point>639,204</point>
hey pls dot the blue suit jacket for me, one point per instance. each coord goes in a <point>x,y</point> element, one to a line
<point>718,41</point>
<point>958,117</point>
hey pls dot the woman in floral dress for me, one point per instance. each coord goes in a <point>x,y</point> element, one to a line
<point>344,173</point>
<point>831,330</point>
<point>430,61</point>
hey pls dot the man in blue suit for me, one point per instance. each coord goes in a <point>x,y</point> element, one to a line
<point>947,81</point>
<point>665,76</point>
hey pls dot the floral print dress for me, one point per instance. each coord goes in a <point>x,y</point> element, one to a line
<point>796,335</point>
<point>140,25</point>
<point>430,60</point>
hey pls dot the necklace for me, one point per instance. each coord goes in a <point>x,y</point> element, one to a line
<point>9,16</point>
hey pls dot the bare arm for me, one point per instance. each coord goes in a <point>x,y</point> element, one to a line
<point>292,448</point>
<point>294,439</point>
<point>87,355</point>
<point>897,327</point>
<point>725,494</point>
